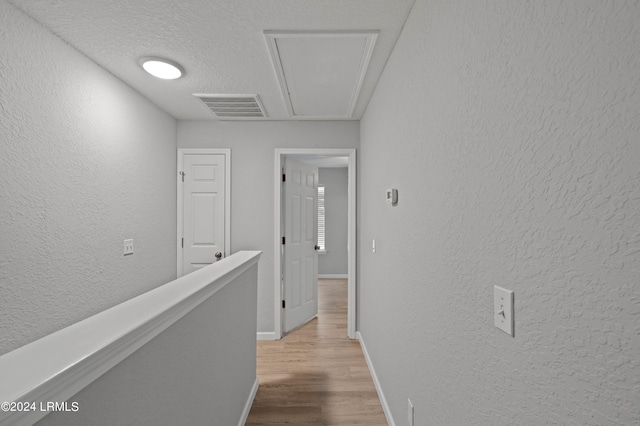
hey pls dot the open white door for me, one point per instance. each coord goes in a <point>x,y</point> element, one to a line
<point>301,257</point>
<point>202,202</point>
<point>280,155</point>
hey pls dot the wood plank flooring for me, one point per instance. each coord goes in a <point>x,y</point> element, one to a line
<point>316,375</point>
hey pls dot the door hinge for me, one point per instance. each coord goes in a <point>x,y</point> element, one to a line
<point>183,243</point>
<point>283,304</point>
<point>182,174</point>
<point>282,240</point>
<point>284,177</point>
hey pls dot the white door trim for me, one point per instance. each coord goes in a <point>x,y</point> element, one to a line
<point>351,237</point>
<point>227,200</point>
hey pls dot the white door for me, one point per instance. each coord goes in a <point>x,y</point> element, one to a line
<point>301,257</point>
<point>203,210</point>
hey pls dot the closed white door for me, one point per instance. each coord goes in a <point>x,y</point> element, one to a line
<point>301,256</point>
<point>203,210</point>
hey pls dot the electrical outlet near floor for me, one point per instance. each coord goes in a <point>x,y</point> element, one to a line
<point>410,412</point>
<point>128,247</point>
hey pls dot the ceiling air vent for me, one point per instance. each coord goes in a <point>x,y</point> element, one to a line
<point>233,107</point>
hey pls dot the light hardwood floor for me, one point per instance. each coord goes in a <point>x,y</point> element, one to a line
<point>316,375</point>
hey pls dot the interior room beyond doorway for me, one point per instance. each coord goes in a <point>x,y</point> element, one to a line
<point>329,158</point>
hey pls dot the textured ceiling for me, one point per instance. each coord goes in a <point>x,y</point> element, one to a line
<point>220,43</point>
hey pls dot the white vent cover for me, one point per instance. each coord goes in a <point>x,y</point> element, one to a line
<point>233,107</point>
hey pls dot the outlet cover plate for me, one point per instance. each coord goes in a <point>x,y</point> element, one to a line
<point>128,247</point>
<point>503,309</point>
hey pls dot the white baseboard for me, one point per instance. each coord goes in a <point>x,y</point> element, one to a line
<point>376,382</point>
<point>266,335</point>
<point>248,404</point>
<point>333,276</point>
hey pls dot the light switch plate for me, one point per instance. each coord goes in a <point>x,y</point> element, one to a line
<point>128,247</point>
<point>503,309</point>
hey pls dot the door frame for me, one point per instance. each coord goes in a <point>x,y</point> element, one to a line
<point>351,237</point>
<point>180,199</point>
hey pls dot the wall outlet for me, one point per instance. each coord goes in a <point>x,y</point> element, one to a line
<point>410,412</point>
<point>128,247</point>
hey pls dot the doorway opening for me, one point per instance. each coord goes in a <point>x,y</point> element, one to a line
<point>281,154</point>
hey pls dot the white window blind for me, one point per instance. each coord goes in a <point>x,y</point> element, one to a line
<point>321,220</point>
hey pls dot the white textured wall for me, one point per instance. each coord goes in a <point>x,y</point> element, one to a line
<point>85,162</point>
<point>335,181</point>
<point>512,132</point>
<point>252,172</point>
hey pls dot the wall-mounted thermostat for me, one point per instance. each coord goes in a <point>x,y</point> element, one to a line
<point>392,196</point>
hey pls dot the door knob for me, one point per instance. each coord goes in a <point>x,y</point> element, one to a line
<point>218,255</point>
<point>317,247</point>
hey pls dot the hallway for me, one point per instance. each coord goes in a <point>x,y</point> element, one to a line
<point>316,375</point>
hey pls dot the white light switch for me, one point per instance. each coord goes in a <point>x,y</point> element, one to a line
<point>128,247</point>
<point>503,309</point>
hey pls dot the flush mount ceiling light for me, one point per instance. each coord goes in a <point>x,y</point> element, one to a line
<point>162,68</point>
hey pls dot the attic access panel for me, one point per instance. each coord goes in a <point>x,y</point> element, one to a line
<point>321,73</point>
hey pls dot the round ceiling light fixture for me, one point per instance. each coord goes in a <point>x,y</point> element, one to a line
<point>162,68</point>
